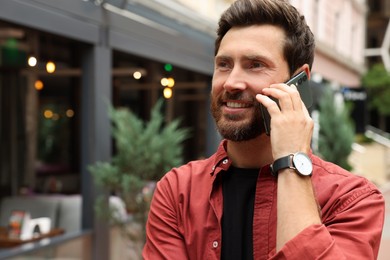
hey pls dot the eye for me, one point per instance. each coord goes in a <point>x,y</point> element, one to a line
<point>222,65</point>
<point>256,65</point>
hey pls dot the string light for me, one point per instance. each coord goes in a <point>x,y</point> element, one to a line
<point>50,67</point>
<point>167,93</point>
<point>48,114</point>
<point>69,113</point>
<point>38,84</point>
<point>164,82</point>
<point>171,82</point>
<point>137,75</point>
<point>32,61</point>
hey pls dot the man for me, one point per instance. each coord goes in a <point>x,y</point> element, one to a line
<point>260,196</point>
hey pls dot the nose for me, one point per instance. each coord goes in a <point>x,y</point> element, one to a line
<point>235,81</point>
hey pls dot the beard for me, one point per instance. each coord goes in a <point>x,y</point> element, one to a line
<point>236,127</point>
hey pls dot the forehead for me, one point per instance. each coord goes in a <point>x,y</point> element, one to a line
<point>265,40</point>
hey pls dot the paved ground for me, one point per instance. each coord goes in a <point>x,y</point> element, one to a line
<point>127,246</point>
<point>372,161</point>
<point>384,251</point>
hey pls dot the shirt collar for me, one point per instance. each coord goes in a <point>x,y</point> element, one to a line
<point>221,159</point>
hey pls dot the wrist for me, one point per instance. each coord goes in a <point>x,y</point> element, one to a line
<point>298,162</point>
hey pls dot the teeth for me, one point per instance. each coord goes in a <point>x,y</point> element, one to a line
<point>236,105</point>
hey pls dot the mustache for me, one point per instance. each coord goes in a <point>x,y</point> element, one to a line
<point>238,96</point>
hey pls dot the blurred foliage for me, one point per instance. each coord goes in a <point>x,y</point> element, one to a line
<point>53,135</point>
<point>377,83</point>
<point>336,131</point>
<point>363,139</point>
<point>145,151</point>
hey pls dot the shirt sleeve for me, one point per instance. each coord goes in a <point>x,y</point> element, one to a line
<point>163,239</point>
<point>353,232</point>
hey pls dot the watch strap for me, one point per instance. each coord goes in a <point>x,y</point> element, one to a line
<point>282,163</point>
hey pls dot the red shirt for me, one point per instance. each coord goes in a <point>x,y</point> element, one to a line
<point>185,216</point>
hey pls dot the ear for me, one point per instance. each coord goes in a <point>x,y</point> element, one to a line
<point>306,68</point>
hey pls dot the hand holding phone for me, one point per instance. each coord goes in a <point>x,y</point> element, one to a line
<point>301,81</point>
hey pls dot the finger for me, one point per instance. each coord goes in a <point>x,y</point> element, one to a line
<point>269,103</point>
<point>295,97</point>
<point>298,102</point>
<point>282,94</point>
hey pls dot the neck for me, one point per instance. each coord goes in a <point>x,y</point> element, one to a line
<point>254,153</point>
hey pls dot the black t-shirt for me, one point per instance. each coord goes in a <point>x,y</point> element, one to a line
<point>239,187</point>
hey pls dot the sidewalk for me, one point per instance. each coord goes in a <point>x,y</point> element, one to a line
<point>384,251</point>
<point>372,161</point>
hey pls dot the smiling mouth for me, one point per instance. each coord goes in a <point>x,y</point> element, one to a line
<point>237,104</point>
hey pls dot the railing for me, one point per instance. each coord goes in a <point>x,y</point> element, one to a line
<point>378,135</point>
<point>382,138</point>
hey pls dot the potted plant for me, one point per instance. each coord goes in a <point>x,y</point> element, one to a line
<point>145,151</point>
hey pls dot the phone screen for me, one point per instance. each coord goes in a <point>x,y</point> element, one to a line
<point>301,81</point>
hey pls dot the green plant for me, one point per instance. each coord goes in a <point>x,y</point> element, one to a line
<point>336,131</point>
<point>145,151</point>
<point>363,139</point>
<point>53,136</point>
<point>377,82</point>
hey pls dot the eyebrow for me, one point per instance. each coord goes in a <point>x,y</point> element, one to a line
<point>222,57</point>
<point>246,57</point>
<point>258,57</point>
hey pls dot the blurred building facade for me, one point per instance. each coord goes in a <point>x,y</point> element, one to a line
<point>339,28</point>
<point>378,46</point>
<point>53,125</point>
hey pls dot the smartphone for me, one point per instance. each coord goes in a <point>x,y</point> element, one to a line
<point>301,81</point>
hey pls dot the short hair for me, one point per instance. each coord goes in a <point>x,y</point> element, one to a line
<point>299,44</point>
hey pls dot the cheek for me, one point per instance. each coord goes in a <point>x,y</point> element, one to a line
<point>258,82</point>
<point>216,86</point>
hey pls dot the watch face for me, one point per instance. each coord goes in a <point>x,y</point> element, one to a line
<point>303,164</point>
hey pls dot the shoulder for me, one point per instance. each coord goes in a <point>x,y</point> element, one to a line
<point>182,178</point>
<point>338,189</point>
<point>192,180</point>
<point>191,169</point>
<point>329,174</point>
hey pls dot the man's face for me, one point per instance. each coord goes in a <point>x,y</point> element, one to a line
<point>248,60</point>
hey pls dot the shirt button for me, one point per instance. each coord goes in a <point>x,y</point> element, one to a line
<point>215,244</point>
<point>225,161</point>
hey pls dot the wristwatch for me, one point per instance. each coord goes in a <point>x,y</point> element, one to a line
<point>300,162</point>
